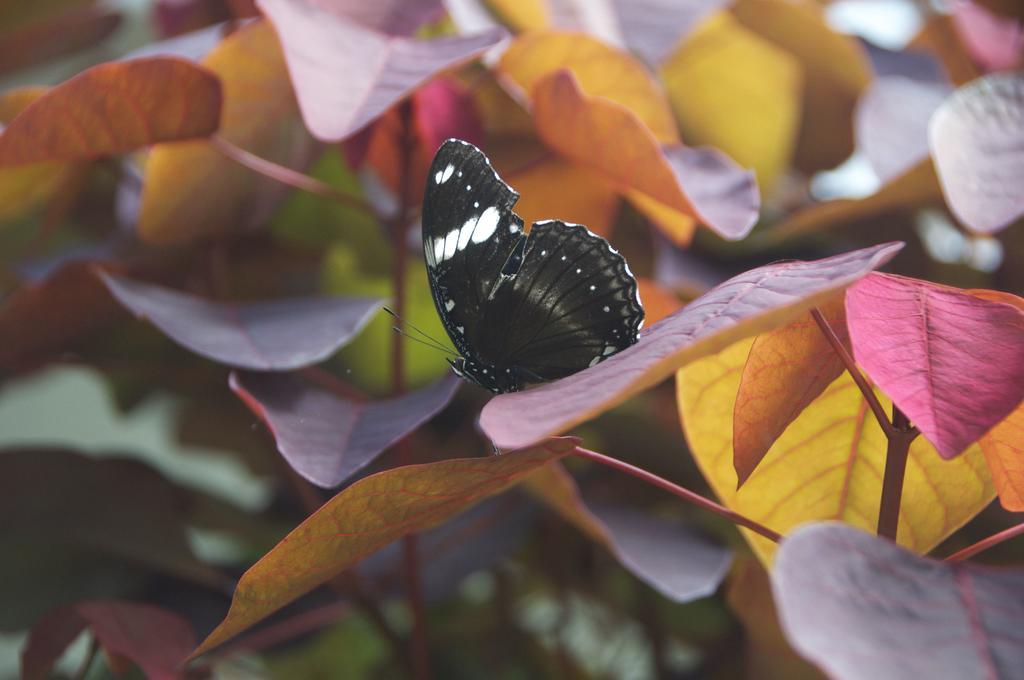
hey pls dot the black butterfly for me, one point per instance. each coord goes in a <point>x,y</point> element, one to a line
<point>520,308</point>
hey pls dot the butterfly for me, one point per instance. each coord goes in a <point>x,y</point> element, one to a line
<point>520,307</point>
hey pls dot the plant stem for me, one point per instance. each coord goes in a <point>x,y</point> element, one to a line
<point>986,543</point>
<point>285,175</point>
<point>896,455</point>
<point>399,234</point>
<point>680,492</point>
<point>851,368</point>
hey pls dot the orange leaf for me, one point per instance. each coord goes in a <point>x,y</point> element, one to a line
<point>734,90</point>
<point>190,189</point>
<point>1003,447</point>
<point>600,70</point>
<point>26,187</point>
<point>786,370</point>
<point>114,108</point>
<point>827,464</point>
<point>836,70</point>
<point>658,301</point>
<point>551,187</point>
<point>364,518</point>
<point>610,139</point>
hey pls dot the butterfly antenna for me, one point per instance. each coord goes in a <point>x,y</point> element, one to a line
<point>429,340</point>
<point>423,342</point>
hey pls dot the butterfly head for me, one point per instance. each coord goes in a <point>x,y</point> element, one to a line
<point>496,380</point>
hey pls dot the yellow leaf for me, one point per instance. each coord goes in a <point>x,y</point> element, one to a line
<point>736,91</point>
<point>1004,450</point>
<point>521,15</point>
<point>827,465</point>
<point>836,70</point>
<point>190,189</point>
<point>600,70</point>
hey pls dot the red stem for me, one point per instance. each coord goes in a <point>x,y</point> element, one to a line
<point>851,368</point>
<point>986,543</point>
<point>285,175</point>
<point>896,454</point>
<point>399,233</point>
<point>680,492</point>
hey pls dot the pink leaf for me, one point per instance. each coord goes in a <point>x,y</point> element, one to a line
<point>975,138</point>
<point>653,28</point>
<point>747,304</point>
<point>326,438</point>
<point>345,75</point>
<point>155,639</point>
<point>952,362</point>
<point>863,608</point>
<point>273,335</point>
<point>996,42</point>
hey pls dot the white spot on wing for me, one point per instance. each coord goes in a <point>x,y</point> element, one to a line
<point>596,360</point>
<point>486,225</point>
<point>467,232</point>
<point>449,305</point>
<point>442,177</point>
<point>438,249</point>
<point>451,242</point>
<point>460,329</point>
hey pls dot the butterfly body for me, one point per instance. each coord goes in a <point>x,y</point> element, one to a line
<point>519,307</point>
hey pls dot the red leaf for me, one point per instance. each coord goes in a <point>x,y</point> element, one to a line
<point>345,75</point>
<point>327,439</point>
<point>975,141</point>
<point>952,362</point>
<point>155,639</point>
<point>862,607</point>
<point>273,335</point>
<point>747,304</point>
<point>114,108</point>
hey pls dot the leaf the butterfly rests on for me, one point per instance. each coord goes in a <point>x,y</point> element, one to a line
<point>519,307</point>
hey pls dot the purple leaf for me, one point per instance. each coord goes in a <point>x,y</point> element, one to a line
<point>393,17</point>
<point>670,557</point>
<point>652,28</point>
<point>747,304</point>
<point>326,438</point>
<point>859,606</point>
<point>891,122</point>
<point>272,335</point>
<point>723,194</point>
<point>975,138</point>
<point>345,75</point>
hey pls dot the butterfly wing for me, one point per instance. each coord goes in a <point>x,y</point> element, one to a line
<point>469,230</point>
<point>573,303</point>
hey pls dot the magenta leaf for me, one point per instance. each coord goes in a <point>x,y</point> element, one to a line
<point>952,362</point>
<point>724,195</point>
<point>744,305</point>
<point>275,335</point>
<point>891,122</point>
<point>444,108</point>
<point>326,438</point>
<point>345,75</point>
<point>670,557</point>
<point>153,638</point>
<point>861,607</point>
<point>975,141</point>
